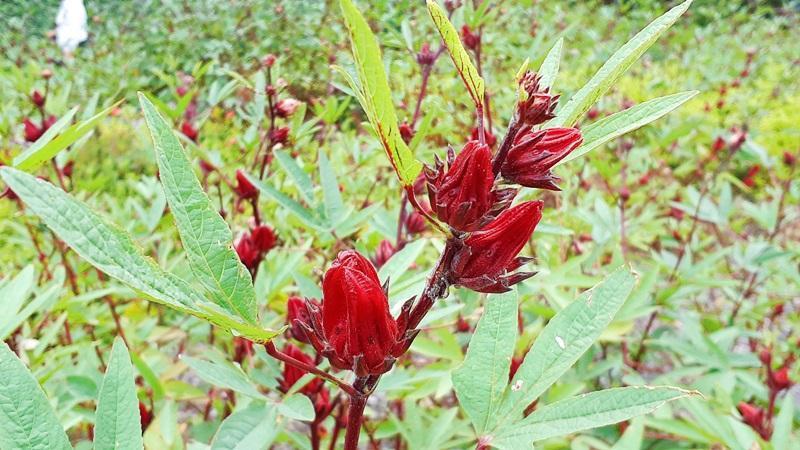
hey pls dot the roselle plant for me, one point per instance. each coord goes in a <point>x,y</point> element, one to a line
<point>470,204</point>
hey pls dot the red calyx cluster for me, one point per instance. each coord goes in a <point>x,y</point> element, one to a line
<point>315,389</point>
<point>353,327</point>
<point>253,246</point>
<point>777,381</point>
<point>33,132</point>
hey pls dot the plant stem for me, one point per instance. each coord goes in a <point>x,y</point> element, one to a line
<point>355,415</point>
<point>511,133</point>
<point>280,356</point>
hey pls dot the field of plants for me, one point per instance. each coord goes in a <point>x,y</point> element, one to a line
<point>351,224</point>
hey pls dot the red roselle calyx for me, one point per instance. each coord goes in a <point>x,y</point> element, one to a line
<point>32,132</point>
<point>286,107</point>
<point>244,188</point>
<point>384,252</point>
<point>425,57</point>
<point>754,417</point>
<point>279,135</point>
<point>485,259</point>
<point>263,238</point>
<point>189,131</point>
<point>247,251</point>
<point>536,104</point>
<point>297,314</point>
<point>470,39</point>
<point>353,328</point>
<point>463,196</point>
<point>38,99</point>
<point>534,153</point>
<point>292,374</point>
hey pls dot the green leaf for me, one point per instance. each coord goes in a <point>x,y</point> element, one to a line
<point>334,207</point>
<point>549,68</point>
<point>587,411</point>
<point>37,154</point>
<point>117,424</point>
<point>112,251</point>
<point>224,375</point>
<point>482,379</point>
<point>297,407</point>
<point>565,338</point>
<point>251,428</point>
<point>623,122</point>
<point>375,96</point>
<point>300,178</point>
<point>619,62</point>
<point>782,435</point>
<point>399,263</point>
<point>467,71</point>
<point>26,419</point>
<point>204,233</point>
<point>304,214</point>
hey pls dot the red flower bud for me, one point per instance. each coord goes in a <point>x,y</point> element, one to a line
<point>292,374</point>
<point>32,132</point>
<point>765,356</point>
<point>624,193</point>
<point>286,107</point>
<point>207,167</point>
<point>789,159</point>
<point>247,251</point>
<point>48,122</point>
<point>463,195</point>
<point>296,315</point>
<point>182,90</point>
<point>384,252</point>
<point>406,132</point>
<point>279,135</point>
<point>68,169</point>
<point>189,131</point>
<point>539,105</point>
<point>242,348</point>
<point>357,331</point>
<point>269,60</point>
<point>534,153</point>
<point>750,179</point>
<point>719,145</point>
<point>263,238</point>
<point>470,39</point>
<point>593,113</point>
<point>46,74</point>
<point>415,223</point>
<point>38,99</point>
<point>425,57</point>
<point>145,416</point>
<point>488,256</point>
<point>779,379</point>
<point>751,415</point>
<point>244,188</point>
<point>462,325</point>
